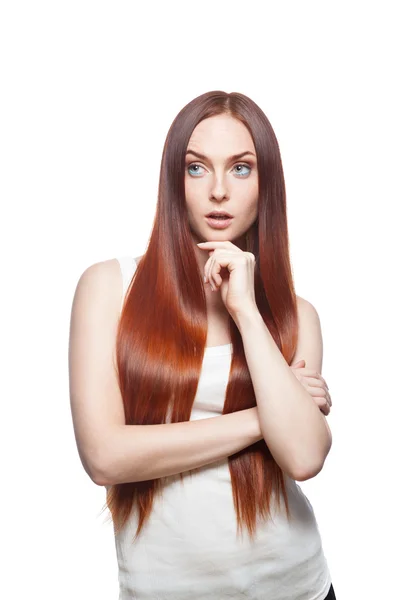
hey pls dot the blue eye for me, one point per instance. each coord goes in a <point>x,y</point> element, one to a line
<point>196,165</point>
<point>191,166</point>
<point>245,167</point>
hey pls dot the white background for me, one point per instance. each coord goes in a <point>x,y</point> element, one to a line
<point>89,91</point>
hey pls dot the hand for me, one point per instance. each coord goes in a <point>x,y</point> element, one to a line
<point>231,270</point>
<point>315,384</point>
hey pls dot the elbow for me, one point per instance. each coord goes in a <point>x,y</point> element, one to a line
<point>103,470</point>
<point>308,473</point>
<point>103,463</point>
<point>99,478</point>
<point>301,472</point>
<point>99,472</point>
<point>91,466</point>
<point>312,469</point>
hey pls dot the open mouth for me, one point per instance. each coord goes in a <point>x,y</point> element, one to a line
<point>219,221</point>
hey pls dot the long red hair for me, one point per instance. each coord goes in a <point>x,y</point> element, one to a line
<point>162,330</point>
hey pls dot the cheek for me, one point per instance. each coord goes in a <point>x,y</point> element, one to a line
<point>193,208</point>
<point>250,189</point>
<point>194,189</point>
<point>251,212</point>
<point>194,199</point>
<point>249,200</point>
<point>191,195</point>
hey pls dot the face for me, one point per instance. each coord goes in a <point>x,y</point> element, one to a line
<point>216,181</point>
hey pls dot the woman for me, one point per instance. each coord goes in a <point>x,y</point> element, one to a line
<point>195,370</point>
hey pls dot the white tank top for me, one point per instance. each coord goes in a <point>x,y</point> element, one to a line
<point>189,549</point>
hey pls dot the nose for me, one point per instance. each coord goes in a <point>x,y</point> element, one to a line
<point>219,191</point>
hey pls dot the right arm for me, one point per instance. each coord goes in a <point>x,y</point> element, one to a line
<point>141,452</point>
<point>111,451</point>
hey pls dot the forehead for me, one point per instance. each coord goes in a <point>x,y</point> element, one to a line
<point>221,135</point>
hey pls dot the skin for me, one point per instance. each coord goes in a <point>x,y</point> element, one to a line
<point>284,415</point>
<point>219,183</point>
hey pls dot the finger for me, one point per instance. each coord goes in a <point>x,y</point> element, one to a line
<point>320,395</point>
<point>323,406</point>
<point>315,387</point>
<point>206,269</point>
<point>215,270</point>
<point>207,265</point>
<point>314,390</point>
<point>325,410</point>
<point>213,274</point>
<point>298,362</point>
<point>323,380</point>
<point>327,398</point>
<point>217,267</point>
<point>314,382</point>
<point>208,272</point>
<point>320,402</point>
<point>312,373</point>
<point>317,392</point>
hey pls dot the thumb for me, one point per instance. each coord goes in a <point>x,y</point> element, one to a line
<point>299,363</point>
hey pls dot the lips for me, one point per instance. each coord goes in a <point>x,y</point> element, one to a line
<point>219,215</point>
<point>219,222</point>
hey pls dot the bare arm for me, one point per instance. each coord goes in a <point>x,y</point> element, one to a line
<point>141,452</point>
<point>294,428</point>
<point>111,451</point>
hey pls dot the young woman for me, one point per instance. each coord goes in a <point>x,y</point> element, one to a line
<point>195,377</point>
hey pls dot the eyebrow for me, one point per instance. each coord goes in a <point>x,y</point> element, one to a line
<point>234,157</point>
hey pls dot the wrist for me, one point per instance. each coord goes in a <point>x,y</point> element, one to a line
<point>247,316</point>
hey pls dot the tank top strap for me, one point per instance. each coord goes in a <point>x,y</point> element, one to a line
<point>127,266</point>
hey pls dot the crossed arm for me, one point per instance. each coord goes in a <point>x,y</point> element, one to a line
<point>296,430</point>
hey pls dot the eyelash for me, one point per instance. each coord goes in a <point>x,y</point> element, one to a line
<point>237,165</point>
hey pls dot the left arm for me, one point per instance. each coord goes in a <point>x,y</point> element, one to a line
<point>292,425</point>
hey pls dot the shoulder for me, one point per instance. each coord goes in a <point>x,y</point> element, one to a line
<point>306,311</point>
<point>100,273</point>
<point>100,283</point>
<point>102,279</point>
<point>310,341</point>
